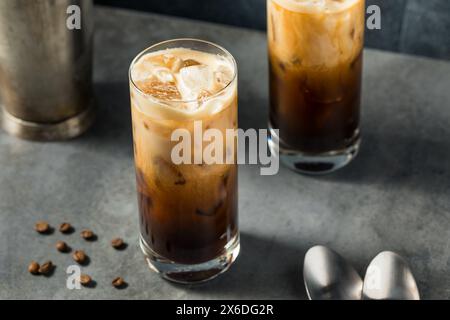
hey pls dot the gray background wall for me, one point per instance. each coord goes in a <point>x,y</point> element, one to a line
<point>420,27</point>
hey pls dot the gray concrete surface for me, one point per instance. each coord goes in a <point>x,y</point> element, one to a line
<point>395,196</point>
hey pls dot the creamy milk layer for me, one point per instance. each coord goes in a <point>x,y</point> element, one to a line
<point>180,82</point>
<point>316,6</point>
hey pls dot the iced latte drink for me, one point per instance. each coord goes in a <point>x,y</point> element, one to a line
<point>315,55</point>
<point>188,212</point>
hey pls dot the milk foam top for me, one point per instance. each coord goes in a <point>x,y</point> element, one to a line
<point>316,6</point>
<point>181,82</point>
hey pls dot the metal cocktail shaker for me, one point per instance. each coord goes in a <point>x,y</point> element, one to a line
<point>46,68</point>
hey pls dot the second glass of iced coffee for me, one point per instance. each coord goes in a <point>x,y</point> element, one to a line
<point>188,212</point>
<point>315,55</point>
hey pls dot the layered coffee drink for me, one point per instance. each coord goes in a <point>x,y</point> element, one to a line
<point>315,56</point>
<point>188,211</point>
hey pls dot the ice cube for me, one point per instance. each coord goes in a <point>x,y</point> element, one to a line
<point>142,184</point>
<point>220,200</point>
<point>160,90</point>
<point>223,76</point>
<point>163,74</point>
<point>194,80</point>
<point>143,70</point>
<point>141,74</point>
<point>172,62</point>
<point>204,94</point>
<point>190,63</point>
<point>212,211</point>
<point>167,174</point>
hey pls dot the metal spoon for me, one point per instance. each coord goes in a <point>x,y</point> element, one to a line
<point>328,276</point>
<point>388,277</point>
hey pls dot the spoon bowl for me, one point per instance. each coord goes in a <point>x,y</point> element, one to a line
<point>388,277</point>
<point>328,276</point>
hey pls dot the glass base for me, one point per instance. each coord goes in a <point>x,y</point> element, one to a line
<point>191,273</point>
<point>313,164</point>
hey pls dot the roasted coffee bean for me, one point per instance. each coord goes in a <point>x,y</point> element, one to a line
<point>33,268</point>
<point>65,228</point>
<point>117,243</point>
<point>87,234</point>
<point>61,246</point>
<point>79,256</point>
<point>85,280</point>
<point>46,268</point>
<point>42,227</point>
<point>119,282</point>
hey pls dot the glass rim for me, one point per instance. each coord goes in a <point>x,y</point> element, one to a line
<point>179,101</point>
